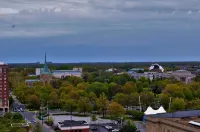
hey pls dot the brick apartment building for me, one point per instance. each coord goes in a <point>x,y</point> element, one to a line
<point>4,87</point>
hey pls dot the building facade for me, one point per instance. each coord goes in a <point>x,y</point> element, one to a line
<point>4,87</point>
<point>173,122</point>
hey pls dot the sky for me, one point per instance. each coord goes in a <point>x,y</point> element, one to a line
<point>99,30</point>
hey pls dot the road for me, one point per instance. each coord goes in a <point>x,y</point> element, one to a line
<point>140,126</point>
<point>31,116</point>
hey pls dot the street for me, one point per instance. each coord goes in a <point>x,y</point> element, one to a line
<point>30,116</point>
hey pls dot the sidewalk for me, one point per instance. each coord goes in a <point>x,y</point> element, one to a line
<point>45,126</point>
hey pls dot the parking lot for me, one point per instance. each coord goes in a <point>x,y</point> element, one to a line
<point>104,127</point>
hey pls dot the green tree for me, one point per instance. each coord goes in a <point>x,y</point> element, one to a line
<point>37,127</point>
<point>130,127</point>
<point>53,98</point>
<point>133,99</point>
<point>34,102</point>
<point>82,85</point>
<point>17,117</point>
<point>75,80</point>
<point>21,130</point>
<point>102,104</point>
<point>98,88</point>
<point>147,98</point>
<point>116,110</point>
<point>84,105</point>
<point>113,89</point>
<point>129,88</point>
<point>68,104</point>
<point>178,104</point>
<point>164,100</point>
<point>122,99</point>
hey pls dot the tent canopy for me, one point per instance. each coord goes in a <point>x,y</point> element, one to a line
<point>151,111</point>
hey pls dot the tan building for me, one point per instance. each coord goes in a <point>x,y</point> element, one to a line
<point>174,122</point>
<point>183,76</point>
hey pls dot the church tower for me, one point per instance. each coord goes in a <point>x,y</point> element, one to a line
<point>45,75</point>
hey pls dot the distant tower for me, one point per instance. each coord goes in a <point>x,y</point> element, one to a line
<point>45,75</point>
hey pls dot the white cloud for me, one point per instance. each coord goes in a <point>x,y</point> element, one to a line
<point>39,12</point>
<point>6,11</point>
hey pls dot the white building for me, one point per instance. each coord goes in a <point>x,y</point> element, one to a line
<point>64,73</point>
<point>37,71</point>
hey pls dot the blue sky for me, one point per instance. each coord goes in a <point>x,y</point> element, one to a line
<point>99,30</point>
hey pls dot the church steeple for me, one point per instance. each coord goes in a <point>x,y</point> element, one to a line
<point>45,69</point>
<point>45,75</point>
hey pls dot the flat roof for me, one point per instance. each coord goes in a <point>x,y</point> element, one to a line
<point>71,123</point>
<point>186,121</point>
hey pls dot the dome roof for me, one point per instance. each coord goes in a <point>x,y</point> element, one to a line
<point>156,66</point>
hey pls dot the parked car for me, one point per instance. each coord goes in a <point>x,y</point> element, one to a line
<point>93,128</point>
<point>115,130</point>
<point>108,127</point>
<point>28,122</point>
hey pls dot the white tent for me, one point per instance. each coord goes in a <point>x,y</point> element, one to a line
<point>151,111</point>
<point>160,110</point>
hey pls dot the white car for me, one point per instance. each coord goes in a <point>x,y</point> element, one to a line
<point>115,130</point>
<point>28,122</point>
<point>108,127</point>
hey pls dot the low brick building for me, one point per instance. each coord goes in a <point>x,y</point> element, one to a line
<point>174,122</point>
<point>73,126</point>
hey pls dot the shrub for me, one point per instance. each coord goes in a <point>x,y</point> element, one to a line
<point>136,115</point>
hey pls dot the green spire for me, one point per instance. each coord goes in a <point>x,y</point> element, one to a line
<point>45,69</point>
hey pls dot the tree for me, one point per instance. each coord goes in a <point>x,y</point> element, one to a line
<point>178,104</point>
<point>147,98</point>
<point>53,98</point>
<point>187,94</point>
<point>129,128</point>
<point>164,100</point>
<point>17,117</point>
<point>133,99</point>
<point>75,80</point>
<point>113,89</point>
<point>102,103</point>
<point>34,102</point>
<point>69,104</point>
<point>87,77</point>
<point>98,88</point>
<point>37,127</point>
<point>122,99</point>
<point>116,110</point>
<point>84,105</point>
<point>82,86</point>
<point>129,88</point>
<point>21,130</point>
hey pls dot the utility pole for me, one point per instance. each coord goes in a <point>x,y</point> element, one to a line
<point>48,111</point>
<point>140,104</point>
<point>170,103</point>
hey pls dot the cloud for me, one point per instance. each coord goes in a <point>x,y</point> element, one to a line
<point>5,11</point>
<point>71,15</point>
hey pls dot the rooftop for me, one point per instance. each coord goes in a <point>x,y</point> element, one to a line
<point>72,123</point>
